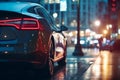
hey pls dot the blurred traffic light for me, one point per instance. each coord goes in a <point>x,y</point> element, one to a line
<point>113,5</point>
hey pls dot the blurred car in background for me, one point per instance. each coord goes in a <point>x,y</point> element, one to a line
<point>28,34</point>
<point>85,43</point>
<point>105,45</point>
<point>111,45</point>
<point>115,45</point>
<point>93,43</point>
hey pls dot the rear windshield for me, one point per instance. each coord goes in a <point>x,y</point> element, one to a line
<point>9,15</point>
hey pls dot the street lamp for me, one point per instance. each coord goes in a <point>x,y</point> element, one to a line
<point>78,49</point>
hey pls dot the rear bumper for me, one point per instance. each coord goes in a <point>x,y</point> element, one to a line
<point>23,60</point>
<point>14,46</point>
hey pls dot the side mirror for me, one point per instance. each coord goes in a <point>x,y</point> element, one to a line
<point>64,28</point>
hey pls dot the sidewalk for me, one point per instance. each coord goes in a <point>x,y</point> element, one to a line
<point>89,54</point>
<point>80,63</point>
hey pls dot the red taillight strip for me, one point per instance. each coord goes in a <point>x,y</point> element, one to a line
<point>9,25</point>
<point>20,23</point>
<point>6,23</point>
<point>37,22</point>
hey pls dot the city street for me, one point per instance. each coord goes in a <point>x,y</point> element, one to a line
<point>94,65</point>
<point>106,67</point>
<point>74,69</point>
<point>42,39</point>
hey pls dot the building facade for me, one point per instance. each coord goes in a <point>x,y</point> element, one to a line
<point>65,11</point>
<point>89,12</point>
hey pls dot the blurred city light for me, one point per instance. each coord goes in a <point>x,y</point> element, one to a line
<point>109,26</point>
<point>105,32</point>
<point>118,31</point>
<point>55,15</point>
<point>97,23</point>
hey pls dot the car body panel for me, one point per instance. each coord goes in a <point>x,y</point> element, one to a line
<point>30,46</point>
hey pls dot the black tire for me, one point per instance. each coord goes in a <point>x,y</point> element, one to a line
<point>49,68</point>
<point>50,64</point>
<point>62,62</point>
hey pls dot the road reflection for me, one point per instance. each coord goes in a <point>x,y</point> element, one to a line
<point>72,71</point>
<point>106,67</point>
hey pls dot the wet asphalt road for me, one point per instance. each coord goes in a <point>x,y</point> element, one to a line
<point>106,67</point>
<point>74,70</point>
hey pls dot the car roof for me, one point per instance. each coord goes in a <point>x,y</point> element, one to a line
<point>15,6</point>
<point>19,7</point>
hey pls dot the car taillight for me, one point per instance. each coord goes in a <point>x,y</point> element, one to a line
<point>23,24</point>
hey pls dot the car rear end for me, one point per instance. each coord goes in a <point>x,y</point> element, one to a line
<point>19,38</point>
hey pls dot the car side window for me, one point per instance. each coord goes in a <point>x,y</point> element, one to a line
<point>44,13</point>
<point>31,10</point>
<point>41,13</point>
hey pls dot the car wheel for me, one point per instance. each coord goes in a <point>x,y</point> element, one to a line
<point>50,68</point>
<point>50,63</point>
<point>62,62</point>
